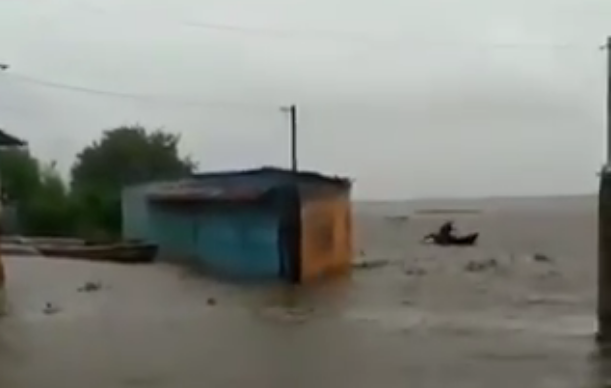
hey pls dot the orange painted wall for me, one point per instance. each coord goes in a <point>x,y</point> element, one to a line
<point>326,241</point>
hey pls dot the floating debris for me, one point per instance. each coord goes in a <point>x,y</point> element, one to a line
<point>289,315</point>
<point>398,219</point>
<point>441,211</point>
<point>549,300</point>
<point>415,271</point>
<point>50,309</point>
<point>481,266</point>
<point>551,274</point>
<point>211,302</point>
<point>541,258</point>
<point>90,287</point>
<point>371,264</point>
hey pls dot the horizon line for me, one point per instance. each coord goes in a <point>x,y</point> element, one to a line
<point>481,198</point>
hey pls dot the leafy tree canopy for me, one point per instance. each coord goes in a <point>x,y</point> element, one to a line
<point>20,173</point>
<point>49,210</point>
<point>123,156</point>
<point>128,155</point>
<point>90,206</point>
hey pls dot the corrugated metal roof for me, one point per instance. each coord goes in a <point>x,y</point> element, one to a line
<point>205,193</point>
<point>8,140</point>
<point>237,185</point>
<point>298,176</point>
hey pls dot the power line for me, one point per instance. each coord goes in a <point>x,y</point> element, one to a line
<point>248,30</point>
<point>156,99</point>
<point>153,99</point>
<point>345,36</point>
<point>352,37</point>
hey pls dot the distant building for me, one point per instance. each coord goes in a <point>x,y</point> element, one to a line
<point>259,224</point>
<point>7,140</point>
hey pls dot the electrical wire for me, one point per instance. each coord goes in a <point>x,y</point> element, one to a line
<point>351,37</point>
<point>149,98</point>
<point>247,30</point>
<point>155,99</point>
<point>290,34</point>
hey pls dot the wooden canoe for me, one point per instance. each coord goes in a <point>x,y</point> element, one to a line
<point>127,253</point>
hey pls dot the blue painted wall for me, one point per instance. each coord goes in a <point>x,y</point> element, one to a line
<point>242,242</point>
<point>174,232</point>
<point>238,241</point>
<point>134,212</point>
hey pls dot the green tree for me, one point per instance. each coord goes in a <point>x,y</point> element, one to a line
<point>123,156</point>
<point>20,174</point>
<point>37,193</point>
<point>49,210</point>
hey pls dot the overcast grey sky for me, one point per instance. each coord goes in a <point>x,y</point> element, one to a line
<point>411,98</point>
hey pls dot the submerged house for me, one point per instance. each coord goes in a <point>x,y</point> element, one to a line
<point>260,224</point>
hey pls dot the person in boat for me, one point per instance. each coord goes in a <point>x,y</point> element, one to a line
<point>446,231</point>
<point>445,236</point>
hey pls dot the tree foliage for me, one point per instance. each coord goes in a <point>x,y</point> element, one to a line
<point>123,156</point>
<point>128,155</point>
<point>37,193</point>
<point>49,211</point>
<point>20,173</point>
<point>90,206</point>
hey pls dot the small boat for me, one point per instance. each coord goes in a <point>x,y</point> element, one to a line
<point>466,240</point>
<point>127,253</point>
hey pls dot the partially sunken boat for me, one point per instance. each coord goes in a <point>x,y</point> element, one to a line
<point>126,253</point>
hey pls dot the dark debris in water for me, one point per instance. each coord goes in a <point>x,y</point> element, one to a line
<point>371,264</point>
<point>482,266</point>
<point>549,275</point>
<point>415,271</point>
<point>90,287</point>
<point>398,219</point>
<point>541,258</point>
<point>290,315</point>
<point>51,309</point>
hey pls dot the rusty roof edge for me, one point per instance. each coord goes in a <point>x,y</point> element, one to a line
<point>8,140</point>
<point>154,187</point>
<point>333,179</point>
<point>206,194</point>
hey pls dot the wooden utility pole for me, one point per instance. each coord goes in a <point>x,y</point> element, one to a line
<point>293,114</point>
<point>292,111</point>
<point>604,226</point>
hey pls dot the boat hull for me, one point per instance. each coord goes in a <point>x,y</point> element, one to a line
<point>119,253</point>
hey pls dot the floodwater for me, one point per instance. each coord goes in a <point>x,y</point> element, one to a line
<point>491,316</point>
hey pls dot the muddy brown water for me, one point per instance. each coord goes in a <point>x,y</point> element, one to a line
<point>422,319</point>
